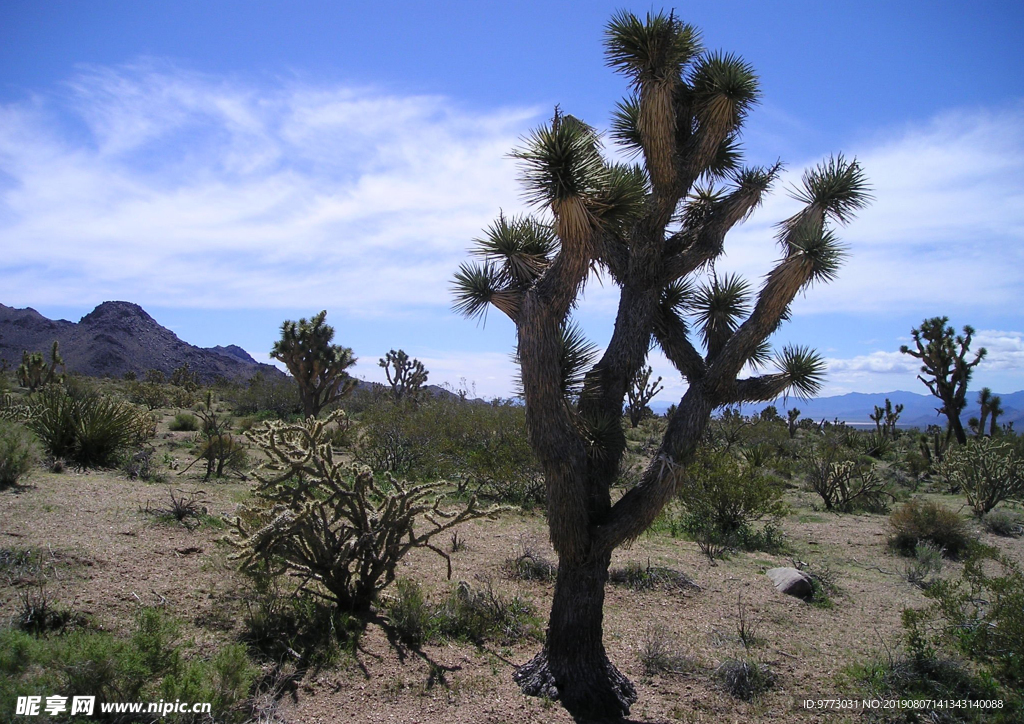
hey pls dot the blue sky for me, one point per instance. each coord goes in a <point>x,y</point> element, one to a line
<point>228,165</point>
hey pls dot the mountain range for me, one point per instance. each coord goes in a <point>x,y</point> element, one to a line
<point>118,338</point>
<point>855,408</point>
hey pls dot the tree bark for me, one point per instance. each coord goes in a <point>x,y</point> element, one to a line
<point>573,667</point>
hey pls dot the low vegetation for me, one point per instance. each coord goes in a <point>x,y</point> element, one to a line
<point>331,554</point>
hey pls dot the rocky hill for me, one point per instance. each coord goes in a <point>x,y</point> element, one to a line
<point>116,338</point>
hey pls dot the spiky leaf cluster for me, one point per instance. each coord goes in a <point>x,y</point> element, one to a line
<point>335,527</point>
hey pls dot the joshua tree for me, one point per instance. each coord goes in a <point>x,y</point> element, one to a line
<point>984,400</point>
<point>650,228</point>
<point>640,392</point>
<point>944,359</point>
<point>316,364</point>
<point>995,408</point>
<point>885,418</point>
<point>33,371</point>
<point>409,375</point>
<point>792,419</point>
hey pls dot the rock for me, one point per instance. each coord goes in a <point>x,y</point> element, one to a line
<point>791,581</point>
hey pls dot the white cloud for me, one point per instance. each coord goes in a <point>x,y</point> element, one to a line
<point>946,225</point>
<point>1005,349</point>
<point>174,188</point>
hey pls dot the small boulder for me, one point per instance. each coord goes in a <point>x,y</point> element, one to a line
<point>791,581</point>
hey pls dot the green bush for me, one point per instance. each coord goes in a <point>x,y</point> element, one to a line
<point>980,616</point>
<point>85,427</point>
<point>1004,523</point>
<point>278,624</point>
<point>148,664</point>
<point>471,614</point>
<point>18,452</point>
<point>986,470</point>
<point>745,679</point>
<point>844,484</point>
<point>983,613</point>
<point>277,395</point>
<point>484,447</point>
<point>726,498</point>
<point>184,422</point>
<point>915,522</point>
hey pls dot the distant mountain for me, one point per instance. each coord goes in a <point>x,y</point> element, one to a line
<point>119,337</point>
<point>856,408</point>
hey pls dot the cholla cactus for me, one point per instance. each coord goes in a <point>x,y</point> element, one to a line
<point>331,525</point>
<point>987,471</point>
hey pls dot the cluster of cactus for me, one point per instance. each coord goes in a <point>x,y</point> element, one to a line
<point>987,471</point>
<point>335,527</point>
<point>934,444</point>
<point>844,485</point>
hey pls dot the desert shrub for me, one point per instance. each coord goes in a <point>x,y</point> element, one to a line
<point>927,560</point>
<point>920,678</point>
<point>717,489</point>
<point>986,470</point>
<point>400,439</point>
<point>483,614</point>
<point>336,527</point>
<point>278,395</point>
<point>1003,522</point>
<point>983,613</point>
<point>467,613</point>
<point>185,508</point>
<point>843,484</point>
<point>483,447</point>
<point>184,422</point>
<point>18,452</point>
<point>279,624</point>
<point>528,564</point>
<point>917,522</point>
<point>980,616</point>
<point>223,681</point>
<point>498,462</point>
<point>223,452</point>
<point>144,666</point>
<point>659,654</point>
<point>409,612</point>
<point>150,394</point>
<point>41,613</point>
<point>139,464</point>
<point>86,427</point>
<point>745,679</point>
<point>636,576</point>
<point>723,499</point>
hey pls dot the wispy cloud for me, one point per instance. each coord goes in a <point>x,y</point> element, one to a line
<point>174,188</point>
<point>946,225</point>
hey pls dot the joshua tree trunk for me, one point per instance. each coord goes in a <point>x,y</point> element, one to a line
<point>573,666</point>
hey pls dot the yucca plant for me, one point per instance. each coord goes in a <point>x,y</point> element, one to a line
<point>86,428</point>
<point>652,228</point>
